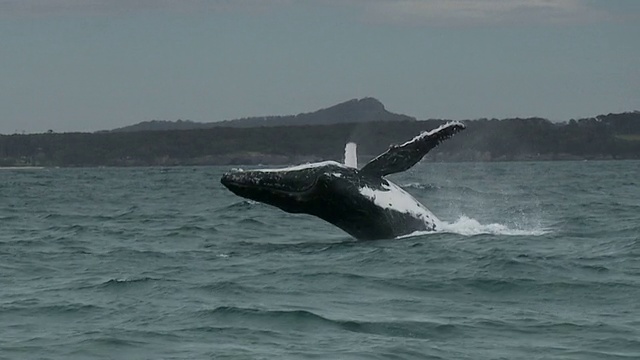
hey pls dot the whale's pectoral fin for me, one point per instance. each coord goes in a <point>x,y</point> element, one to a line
<point>402,157</point>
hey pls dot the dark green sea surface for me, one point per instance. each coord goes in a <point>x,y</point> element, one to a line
<point>537,261</point>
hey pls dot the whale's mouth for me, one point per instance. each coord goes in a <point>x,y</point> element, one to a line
<point>259,181</point>
<point>289,193</point>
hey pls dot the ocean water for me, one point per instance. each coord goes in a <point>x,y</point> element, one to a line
<point>537,260</point>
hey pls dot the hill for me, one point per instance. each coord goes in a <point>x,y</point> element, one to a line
<point>612,136</point>
<point>352,111</point>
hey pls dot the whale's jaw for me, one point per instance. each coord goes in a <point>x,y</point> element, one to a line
<point>294,189</point>
<point>258,186</point>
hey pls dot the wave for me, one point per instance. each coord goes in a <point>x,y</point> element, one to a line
<point>307,320</point>
<point>238,205</point>
<point>125,213</point>
<point>227,287</point>
<point>109,341</point>
<point>75,228</point>
<point>124,253</point>
<point>32,307</point>
<point>127,282</point>
<point>470,227</point>
<point>250,221</point>
<point>189,231</point>
<point>297,247</point>
<point>189,227</point>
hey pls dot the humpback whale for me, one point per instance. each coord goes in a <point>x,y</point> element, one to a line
<point>362,202</point>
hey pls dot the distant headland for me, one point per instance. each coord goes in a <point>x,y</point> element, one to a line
<point>321,135</point>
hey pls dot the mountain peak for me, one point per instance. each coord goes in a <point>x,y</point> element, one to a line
<point>367,109</point>
<point>352,111</point>
<point>364,104</point>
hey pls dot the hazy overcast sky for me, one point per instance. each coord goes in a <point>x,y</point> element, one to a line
<point>86,65</point>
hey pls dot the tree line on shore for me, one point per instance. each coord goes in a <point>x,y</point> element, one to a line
<point>613,136</point>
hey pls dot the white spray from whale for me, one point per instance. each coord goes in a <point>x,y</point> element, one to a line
<point>467,226</point>
<point>351,155</point>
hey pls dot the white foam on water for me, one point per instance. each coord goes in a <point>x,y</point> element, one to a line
<point>351,155</point>
<point>469,227</point>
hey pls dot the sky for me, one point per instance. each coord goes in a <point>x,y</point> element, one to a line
<point>88,65</point>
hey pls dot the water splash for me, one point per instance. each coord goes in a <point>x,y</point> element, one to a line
<point>351,155</point>
<point>469,227</point>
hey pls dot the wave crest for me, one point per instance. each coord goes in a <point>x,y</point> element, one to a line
<point>469,227</point>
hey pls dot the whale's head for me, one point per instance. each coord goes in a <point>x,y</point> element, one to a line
<point>297,189</point>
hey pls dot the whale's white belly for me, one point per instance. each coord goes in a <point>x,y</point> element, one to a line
<point>395,198</point>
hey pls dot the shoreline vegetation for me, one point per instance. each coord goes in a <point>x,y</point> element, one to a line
<point>322,135</point>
